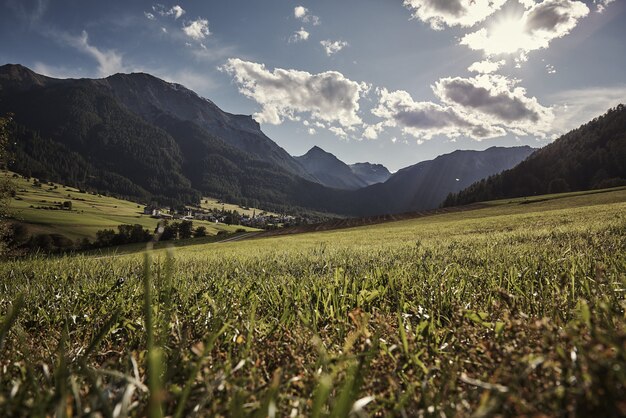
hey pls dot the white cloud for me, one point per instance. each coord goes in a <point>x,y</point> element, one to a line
<point>109,61</point>
<point>440,13</point>
<point>338,132</point>
<point>299,35</point>
<point>149,16</point>
<point>601,5</point>
<point>299,12</point>
<point>332,47</point>
<point>175,11</point>
<point>302,13</point>
<point>534,29</point>
<point>424,120</point>
<point>550,69</point>
<point>497,100</point>
<point>372,131</point>
<point>575,107</point>
<point>312,131</point>
<point>283,94</point>
<point>197,29</point>
<point>486,66</point>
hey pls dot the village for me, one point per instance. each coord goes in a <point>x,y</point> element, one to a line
<point>261,220</point>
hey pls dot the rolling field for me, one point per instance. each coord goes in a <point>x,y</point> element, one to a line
<point>90,213</point>
<point>214,204</point>
<point>515,309</point>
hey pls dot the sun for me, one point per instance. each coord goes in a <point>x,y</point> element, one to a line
<point>508,34</point>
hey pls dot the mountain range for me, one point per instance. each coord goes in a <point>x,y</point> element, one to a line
<point>332,172</point>
<point>140,137</point>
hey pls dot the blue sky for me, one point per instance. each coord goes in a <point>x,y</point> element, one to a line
<point>392,82</point>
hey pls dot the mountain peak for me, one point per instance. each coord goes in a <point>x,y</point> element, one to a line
<point>24,76</point>
<point>329,170</point>
<point>317,150</point>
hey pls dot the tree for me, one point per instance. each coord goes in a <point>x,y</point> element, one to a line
<point>6,185</point>
<point>170,232</point>
<point>200,232</point>
<point>185,229</point>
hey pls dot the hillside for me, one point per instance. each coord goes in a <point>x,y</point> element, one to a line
<point>592,156</point>
<point>329,170</point>
<point>151,98</point>
<point>510,310</point>
<point>425,185</point>
<point>147,140</point>
<point>36,207</point>
<point>79,132</point>
<point>371,173</point>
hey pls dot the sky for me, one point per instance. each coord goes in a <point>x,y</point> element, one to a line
<point>385,81</point>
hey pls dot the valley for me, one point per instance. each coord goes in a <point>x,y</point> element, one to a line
<point>489,306</point>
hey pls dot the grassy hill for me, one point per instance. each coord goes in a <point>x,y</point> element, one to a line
<point>514,309</point>
<point>216,204</point>
<point>90,212</point>
<point>590,157</point>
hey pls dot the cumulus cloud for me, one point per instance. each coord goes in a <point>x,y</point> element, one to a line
<point>327,97</point>
<point>302,13</point>
<point>496,99</point>
<point>299,36</point>
<point>534,29</point>
<point>486,66</point>
<point>332,47</point>
<point>372,131</point>
<point>338,132</point>
<point>440,13</point>
<point>424,120</point>
<point>197,29</point>
<point>175,11</point>
<point>109,61</point>
<point>601,5</point>
<point>149,16</point>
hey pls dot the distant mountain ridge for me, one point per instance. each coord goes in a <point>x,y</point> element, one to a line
<point>329,170</point>
<point>371,173</point>
<point>139,137</point>
<point>426,184</point>
<point>592,156</point>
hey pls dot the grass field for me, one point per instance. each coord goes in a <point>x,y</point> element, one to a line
<point>214,204</point>
<point>90,213</point>
<point>516,309</point>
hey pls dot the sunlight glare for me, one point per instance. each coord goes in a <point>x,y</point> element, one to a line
<point>508,34</point>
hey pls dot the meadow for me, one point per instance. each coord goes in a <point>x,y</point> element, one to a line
<point>514,309</point>
<point>215,204</point>
<point>90,212</point>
